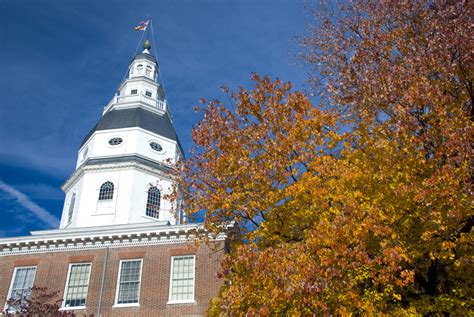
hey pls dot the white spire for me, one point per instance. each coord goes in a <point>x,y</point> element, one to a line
<point>141,88</point>
<point>123,168</point>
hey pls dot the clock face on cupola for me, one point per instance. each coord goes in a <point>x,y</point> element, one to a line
<point>124,163</point>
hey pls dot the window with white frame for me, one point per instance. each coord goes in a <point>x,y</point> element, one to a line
<point>72,202</point>
<point>106,191</point>
<point>128,286</point>
<point>77,284</point>
<point>182,279</point>
<point>153,202</point>
<point>20,287</point>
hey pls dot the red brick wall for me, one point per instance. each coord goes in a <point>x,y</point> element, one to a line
<point>52,269</point>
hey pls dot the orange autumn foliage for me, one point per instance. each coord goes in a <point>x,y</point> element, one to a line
<point>361,203</point>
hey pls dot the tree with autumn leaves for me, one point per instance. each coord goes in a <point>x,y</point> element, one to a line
<point>37,302</point>
<point>358,202</point>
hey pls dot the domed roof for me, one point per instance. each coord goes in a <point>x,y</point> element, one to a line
<point>135,117</point>
<point>146,56</point>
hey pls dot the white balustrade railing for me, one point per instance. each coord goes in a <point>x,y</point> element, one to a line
<point>160,104</point>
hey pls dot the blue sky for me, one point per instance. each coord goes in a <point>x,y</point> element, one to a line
<point>61,62</point>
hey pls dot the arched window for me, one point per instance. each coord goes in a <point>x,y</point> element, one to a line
<point>148,71</point>
<point>153,202</point>
<point>106,191</point>
<point>71,208</point>
<point>139,69</point>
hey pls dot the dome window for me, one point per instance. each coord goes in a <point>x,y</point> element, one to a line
<point>156,146</point>
<point>148,71</point>
<point>134,92</point>
<point>148,93</point>
<point>115,141</point>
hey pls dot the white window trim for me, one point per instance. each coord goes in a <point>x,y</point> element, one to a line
<point>13,278</point>
<point>185,301</point>
<point>114,137</point>
<point>69,221</point>
<point>163,150</point>
<point>116,304</point>
<point>106,207</point>
<point>160,210</point>
<point>152,218</point>
<point>67,283</point>
<point>105,201</point>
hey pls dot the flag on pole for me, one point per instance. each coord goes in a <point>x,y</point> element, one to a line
<point>142,25</point>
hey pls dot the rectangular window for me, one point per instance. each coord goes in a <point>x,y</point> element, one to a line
<point>182,279</point>
<point>77,284</point>
<point>128,287</point>
<point>22,282</point>
<point>134,92</point>
<point>148,93</point>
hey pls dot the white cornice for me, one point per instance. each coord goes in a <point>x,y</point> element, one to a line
<point>122,229</point>
<point>78,239</point>
<point>138,79</point>
<point>114,166</point>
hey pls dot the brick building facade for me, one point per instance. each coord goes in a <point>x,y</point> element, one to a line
<point>156,250</point>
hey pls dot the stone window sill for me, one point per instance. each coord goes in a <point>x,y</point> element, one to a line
<point>126,305</point>
<point>177,302</point>
<point>72,308</point>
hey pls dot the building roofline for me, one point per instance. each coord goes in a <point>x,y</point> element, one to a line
<point>146,56</point>
<point>115,236</point>
<point>96,232</point>
<point>119,162</point>
<point>108,229</point>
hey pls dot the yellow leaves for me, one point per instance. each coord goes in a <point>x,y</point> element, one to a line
<point>363,211</point>
<point>448,245</point>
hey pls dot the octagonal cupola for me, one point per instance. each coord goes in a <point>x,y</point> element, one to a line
<point>141,86</point>
<point>144,64</point>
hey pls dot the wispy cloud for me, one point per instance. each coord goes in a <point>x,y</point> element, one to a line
<point>42,214</point>
<point>41,191</point>
<point>11,232</point>
<point>39,154</point>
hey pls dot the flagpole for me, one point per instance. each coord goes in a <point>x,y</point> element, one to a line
<point>148,31</point>
<point>128,68</point>
<point>156,54</point>
<point>139,42</point>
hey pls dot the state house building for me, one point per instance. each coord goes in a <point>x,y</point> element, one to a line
<point>120,250</point>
